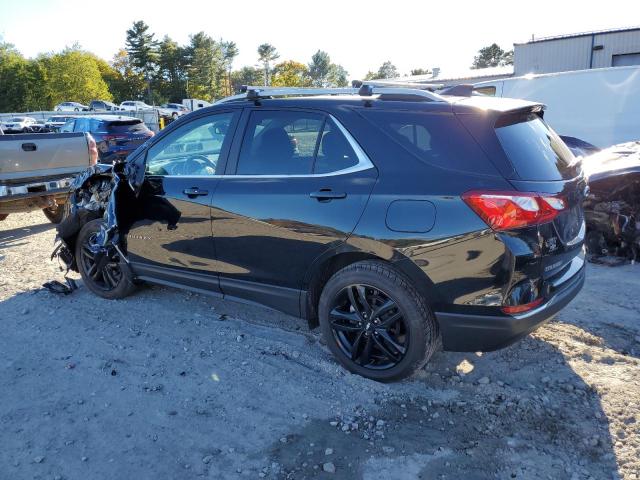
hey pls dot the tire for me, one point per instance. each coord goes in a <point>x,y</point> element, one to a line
<point>54,215</point>
<point>415,331</point>
<point>120,284</point>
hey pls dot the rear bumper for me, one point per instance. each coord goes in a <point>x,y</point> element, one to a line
<point>484,333</point>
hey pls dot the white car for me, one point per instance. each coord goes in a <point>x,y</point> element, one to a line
<point>19,124</point>
<point>174,109</point>
<point>70,107</point>
<point>133,105</point>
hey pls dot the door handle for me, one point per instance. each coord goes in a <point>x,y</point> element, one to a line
<point>194,192</point>
<point>326,194</point>
<point>29,147</point>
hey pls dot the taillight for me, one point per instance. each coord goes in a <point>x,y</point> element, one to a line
<point>93,150</point>
<point>114,137</point>
<point>508,210</point>
<point>525,307</point>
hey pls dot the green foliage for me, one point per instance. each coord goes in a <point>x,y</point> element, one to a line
<point>291,74</point>
<point>323,73</point>
<point>246,76</point>
<point>13,72</point>
<point>420,71</point>
<point>171,76</point>
<point>207,68</point>
<point>157,71</point>
<point>386,70</point>
<point>143,51</point>
<point>492,56</point>
<point>123,81</point>
<point>267,53</point>
<point>74,75</point>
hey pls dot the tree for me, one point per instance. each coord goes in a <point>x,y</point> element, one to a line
<point>245,76</point>
<point>207,69</point>
<point>124,82</point>
<point>74,75</point>
<point>323,73</point>
<point>291,74</point>
<point>386,70</point>
<point>319,68</point>
<point>420,71</point>
<point>143,51</point>
<point>171,75</point>
<point>229,53</point>
<point>337,76</point>
<point>13,73</point>
<point>492,56</point>
<point>267,53</point>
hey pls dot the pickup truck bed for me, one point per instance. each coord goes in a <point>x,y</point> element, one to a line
<point>36,169</point>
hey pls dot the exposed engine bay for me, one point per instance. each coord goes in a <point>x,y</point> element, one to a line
<point>612,208</point>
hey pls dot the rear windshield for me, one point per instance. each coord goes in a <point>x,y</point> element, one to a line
<point>435,138</point>
<point>129,126</point>
<point>535,151</point>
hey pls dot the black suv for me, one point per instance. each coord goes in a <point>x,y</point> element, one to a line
<point>397,220</point>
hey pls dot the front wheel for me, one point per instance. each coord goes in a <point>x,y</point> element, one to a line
<point>106,277</point>
<point>375,323</point>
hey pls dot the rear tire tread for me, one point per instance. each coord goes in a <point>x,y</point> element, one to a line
<point>429,324</point>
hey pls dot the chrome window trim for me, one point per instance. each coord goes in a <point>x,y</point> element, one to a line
<point>364,163</point>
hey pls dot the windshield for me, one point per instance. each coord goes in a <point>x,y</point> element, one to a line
<point>535,150</point>
<point>18,119</point>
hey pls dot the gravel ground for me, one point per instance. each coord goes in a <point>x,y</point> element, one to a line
<point>168,384</point>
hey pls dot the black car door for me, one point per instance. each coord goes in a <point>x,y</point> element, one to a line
<point>170,238</point>
<point>295,186</point>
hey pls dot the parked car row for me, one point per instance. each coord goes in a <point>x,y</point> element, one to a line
<point>172,110</point>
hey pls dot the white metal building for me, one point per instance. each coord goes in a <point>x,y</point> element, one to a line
<point>581,51</point>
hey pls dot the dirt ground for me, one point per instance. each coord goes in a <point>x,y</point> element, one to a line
<point>172,385</point>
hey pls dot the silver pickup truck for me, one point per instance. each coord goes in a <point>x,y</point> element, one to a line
<point>36,170</point>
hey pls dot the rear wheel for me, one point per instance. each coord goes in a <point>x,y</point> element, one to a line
<point>54,214</point>
<point>107,279</point>
<point>376,323</point>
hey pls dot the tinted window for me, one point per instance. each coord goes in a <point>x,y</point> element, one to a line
<point>192,149</point>
<point>335,152</point>
<point>130,126</point>
<point>280,143</point>
<point>535,151</point>
<point>82,125</point>
<point>68,127</point>
<point>490,91</point>
<point>435,138</point>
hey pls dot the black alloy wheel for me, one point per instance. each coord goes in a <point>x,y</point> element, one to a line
<point>369,327</point>
<point>106,274</point>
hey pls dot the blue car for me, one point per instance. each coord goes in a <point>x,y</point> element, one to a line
<point>115,136</point>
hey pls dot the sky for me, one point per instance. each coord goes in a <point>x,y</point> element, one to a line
<point>359,35</point>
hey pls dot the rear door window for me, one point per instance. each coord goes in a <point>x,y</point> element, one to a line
<point>293,143</point>
<point>535,151</point>
<point>280,143</point>
<point>435,138</point>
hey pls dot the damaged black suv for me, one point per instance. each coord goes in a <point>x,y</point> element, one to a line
<point>396,219</point>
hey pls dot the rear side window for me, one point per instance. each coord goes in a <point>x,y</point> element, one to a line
<point>435,138</point>
<point>535,151</point>
<point>293,143</point>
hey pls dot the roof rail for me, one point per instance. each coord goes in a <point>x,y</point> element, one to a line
<point>365,89</point>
